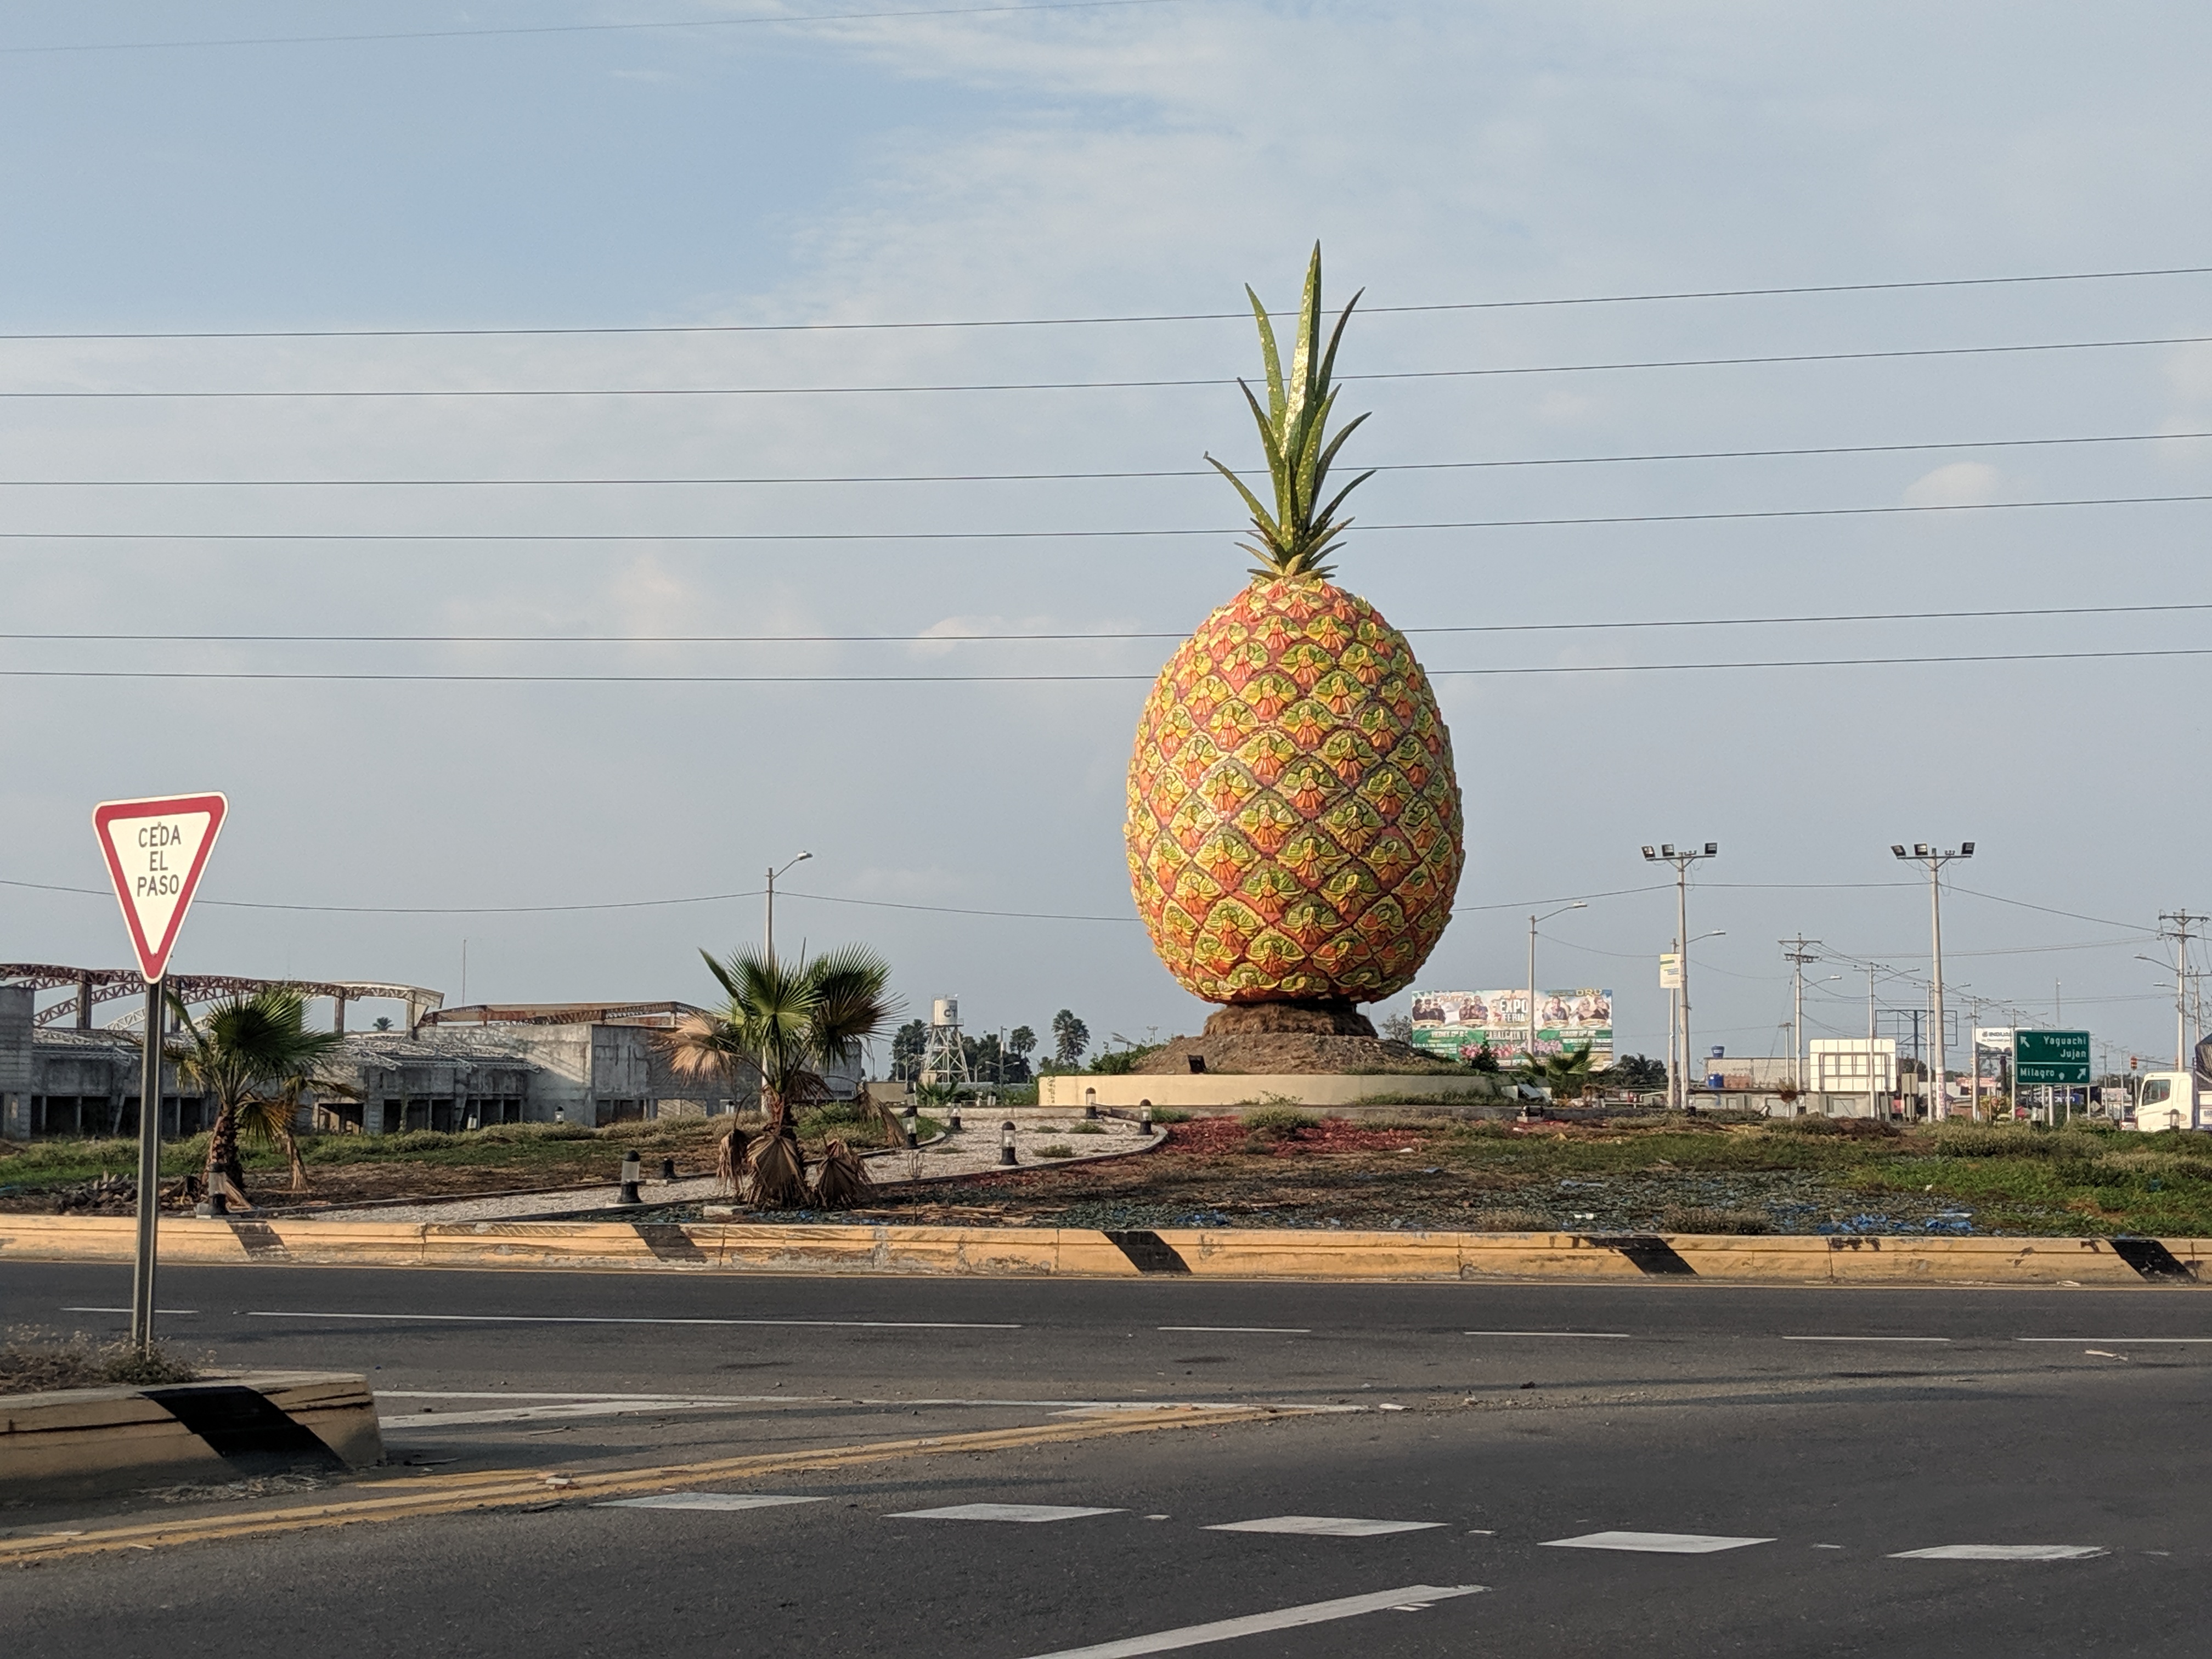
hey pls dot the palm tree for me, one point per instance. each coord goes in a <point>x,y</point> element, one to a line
<point>1567,1074</point>
<point>254,1054</point>
<point>784,1022</point>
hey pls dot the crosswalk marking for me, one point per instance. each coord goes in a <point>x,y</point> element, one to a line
<point>1653,1543</point>
<point>1028,1512</point>
<point>1325,1525</point>
<point>2003,1552</point>
<point>1410,1599</point>
<point>704,1500</point>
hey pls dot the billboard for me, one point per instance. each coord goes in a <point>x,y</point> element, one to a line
<point>1456,1025</point>
<point>1993,1059</point>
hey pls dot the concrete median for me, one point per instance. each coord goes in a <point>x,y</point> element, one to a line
<point>1223,1253</point>
<point>221,1429</point>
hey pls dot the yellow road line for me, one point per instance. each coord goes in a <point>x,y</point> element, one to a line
<point>406,1499</point>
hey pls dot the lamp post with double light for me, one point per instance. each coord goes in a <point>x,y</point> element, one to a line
<point>1682,858</point>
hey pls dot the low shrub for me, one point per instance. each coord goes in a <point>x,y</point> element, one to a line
<point>1697,1219</point>
<point>1956,1139</point>
<point>1058,1149</point>
<point>1275,1120</point>
<point>37,1362</point>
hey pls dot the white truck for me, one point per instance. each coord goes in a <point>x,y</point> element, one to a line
<point>2173,1100</point>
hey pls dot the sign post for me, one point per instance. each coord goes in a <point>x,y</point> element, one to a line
<point>2059,1059</point>
<point>156,851</point>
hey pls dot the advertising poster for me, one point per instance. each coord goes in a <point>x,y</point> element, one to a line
<point>1456,1025</point>
<point>1993,1060</point>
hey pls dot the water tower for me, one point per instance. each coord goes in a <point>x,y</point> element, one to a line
<point>944,1057</point>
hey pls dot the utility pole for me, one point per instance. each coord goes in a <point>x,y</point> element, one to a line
<point>1794,951</point>
<point>1666,853</point>
<point>2180,921</point>
<point>1872,1107</point>
<point>1934,859</point>
<point>1533,920</point>
<point>772,874</point>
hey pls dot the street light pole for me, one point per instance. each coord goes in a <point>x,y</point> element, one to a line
<point>772,874</point>
<point>1529,1054</point>
<point>1666,853</point>
<point>1934,859</point>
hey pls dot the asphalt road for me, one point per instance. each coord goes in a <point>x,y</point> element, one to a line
<point>2061,1419</point>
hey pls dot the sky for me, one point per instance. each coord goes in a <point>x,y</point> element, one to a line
<point>552,167</point>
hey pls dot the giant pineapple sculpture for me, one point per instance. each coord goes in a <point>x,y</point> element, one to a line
<point>1294,828</point>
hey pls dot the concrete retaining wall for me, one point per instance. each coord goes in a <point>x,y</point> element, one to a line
<point>1078,1089</point>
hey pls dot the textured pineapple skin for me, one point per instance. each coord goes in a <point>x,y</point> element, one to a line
<point>1294,830</point>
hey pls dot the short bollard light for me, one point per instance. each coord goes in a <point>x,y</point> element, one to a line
<point>668,1169</point>
<point>630,1178</point>
<point>913,1127</point>
<point>953,1123</point>
<point>1006,1142</point>
<point>1145,1119</point>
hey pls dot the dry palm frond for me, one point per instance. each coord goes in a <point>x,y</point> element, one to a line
<point>842,1181</point>
<point>730,1155</point>
<point>262,1119</point>
<point>778,1174</point>
<point>891,1127</point>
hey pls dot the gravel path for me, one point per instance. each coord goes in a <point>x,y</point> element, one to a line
<point>973,1150</point>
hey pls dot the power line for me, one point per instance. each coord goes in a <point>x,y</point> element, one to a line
<point>1106,321</point>
<point>1753,361</point>
<point>551,909</point>
<point>1126,474</point>
<point>279,676</point>
<point>799,21</point>
<point>564,536</point>
<point>1169,633</point>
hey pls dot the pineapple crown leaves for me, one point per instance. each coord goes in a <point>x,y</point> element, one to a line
<point>1302,530</point>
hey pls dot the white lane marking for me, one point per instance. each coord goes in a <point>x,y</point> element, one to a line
<point>1326,1526</point>
<point>1866,1339</point>
<point>2116,1341</point>
<point>535,1413</point>
<point>1652,1543</point>
<point>704,1500</point>
<point>1614,1335</point>
<point>2003,1552</point>
<point>1063,1406</point>
<point>1031,1513</point>
<point>1259,1624</point>
<point>1249,1330</point>
<point>187,1313</point>
<point>612,1319</point>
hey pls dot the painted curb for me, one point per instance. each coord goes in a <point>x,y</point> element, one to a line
<point>225,1428</point>
<point>1233,1253</point>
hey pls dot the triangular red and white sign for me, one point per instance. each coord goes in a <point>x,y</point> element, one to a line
<point>156,851</point>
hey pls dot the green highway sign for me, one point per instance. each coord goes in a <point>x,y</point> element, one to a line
<point>2059,1057</point>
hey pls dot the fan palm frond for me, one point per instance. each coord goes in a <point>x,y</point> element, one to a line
<point>841,1182</point>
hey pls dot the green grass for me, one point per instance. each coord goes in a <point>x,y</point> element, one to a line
<point>2014,1177</point>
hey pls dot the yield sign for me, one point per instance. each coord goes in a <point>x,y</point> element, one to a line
<point>156,850</point>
